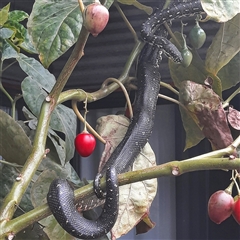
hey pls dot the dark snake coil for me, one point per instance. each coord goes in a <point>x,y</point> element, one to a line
<point>61,196</point>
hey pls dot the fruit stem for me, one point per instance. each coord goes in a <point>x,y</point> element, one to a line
<point>81,118</point>
<point>81,5</point>
<point>229,188</point>
<point>124,91</point>
<point>169,87</point>
<point>226,102</point>
<point>234,180</point>
<point>171,100</point>
<point>85,113</point>
<point>184,40</point>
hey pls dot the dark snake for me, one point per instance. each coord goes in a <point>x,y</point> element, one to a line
<point>61,196</point>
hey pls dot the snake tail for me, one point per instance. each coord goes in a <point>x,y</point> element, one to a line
<point>61,202</point>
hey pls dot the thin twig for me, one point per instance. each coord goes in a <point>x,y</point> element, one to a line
<point>227,101</point>
<point>168,86</point>
<point>133,32</point>
<point>172,100</point>
<point>124,92</point>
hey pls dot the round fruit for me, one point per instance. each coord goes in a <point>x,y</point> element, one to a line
<point>187,57</point>
<point>220,206</point>
<point>85,143</point>
<point>236,210</point>
<point>95,18</point>
<point>197,36</point>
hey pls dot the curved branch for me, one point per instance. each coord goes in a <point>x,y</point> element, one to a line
<point>77,94</point>
<point>124,92</point>
<point>14,197</point>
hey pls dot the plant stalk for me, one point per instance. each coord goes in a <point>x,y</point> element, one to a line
<point>14,197</point>
<point>173,168</point>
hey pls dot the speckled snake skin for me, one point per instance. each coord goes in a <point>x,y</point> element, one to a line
<point>61,197</point>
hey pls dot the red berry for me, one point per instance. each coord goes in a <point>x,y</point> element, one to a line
<point>85,143</point>
<point>236,209</point>
<point>95,18</point>
<point>220,206</point>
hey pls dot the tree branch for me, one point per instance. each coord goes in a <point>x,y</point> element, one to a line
<point>174,168</point>
<point>14,197</point>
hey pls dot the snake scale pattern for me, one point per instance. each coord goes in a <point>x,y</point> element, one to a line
<point>61,196</point>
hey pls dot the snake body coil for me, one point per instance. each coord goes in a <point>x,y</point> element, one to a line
<point>60,197</point>
<point>61,202</point>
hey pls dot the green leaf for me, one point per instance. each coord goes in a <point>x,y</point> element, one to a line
<point>36,71</point>
<point>19,31</point>
<point>230,73</point>
<point>196,71</point>
<point>35,89</point>
<point>54,27</point>
<point>54,230</point>
<point>8,49</point>
<point>54,142</point>
<point>193,132</point>
<point>8,176</point>
<point>40,189</point>
<point>225,45</point>
<point>17,16</point>
<point>16,146</point>
<point>33,232</point>
<point>221,10</point>
<point>5,33</point>
<point>27,45</point>
<point>4,14</point>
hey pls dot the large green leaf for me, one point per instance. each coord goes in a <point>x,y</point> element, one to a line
<point>195,72</point>
<point>230,73</point>
<point>225,45</point>
<point>221,10</point>
<point>35,88</point>
<point>8,176</point>
<point>193,132</point>
<point>54,27</point>
<point>15,146</point>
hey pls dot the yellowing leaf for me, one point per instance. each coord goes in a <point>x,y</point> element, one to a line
<point>221,10</point>
<point>4,14</point>
<point>225,45</point>
<point>134,199</point>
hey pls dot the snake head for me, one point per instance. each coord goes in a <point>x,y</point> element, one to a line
<point>171,51</point>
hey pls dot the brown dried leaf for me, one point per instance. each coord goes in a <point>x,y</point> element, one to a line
<point>206,109</point>
<point>134,199</point>
<point>233,117</point>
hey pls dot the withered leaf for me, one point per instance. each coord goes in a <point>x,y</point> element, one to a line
<point>135,199</point>
<point>233,117</point>
<point>205,107</point>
